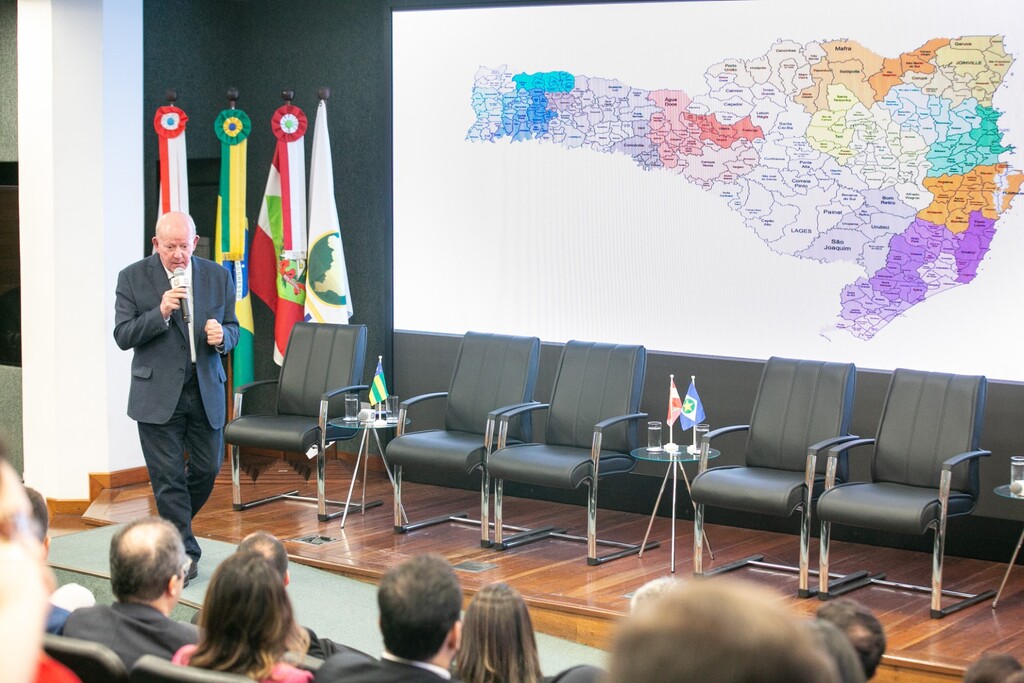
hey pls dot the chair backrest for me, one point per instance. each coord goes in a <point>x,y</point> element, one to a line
<point>595,382</point>
<point>798,404</point>
<point>319,357</point>
<point>91,662</point>
<point>153,669</point>
<point>492,371</point>
<point>926,418</point>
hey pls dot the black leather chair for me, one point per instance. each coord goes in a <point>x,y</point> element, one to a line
<point>492,373</point>
<point>802,408</point>
<point>322,363</point>
<point>924,469</point>
<point>590,431</point>
<point>153,669</point>
<point>91,662</point>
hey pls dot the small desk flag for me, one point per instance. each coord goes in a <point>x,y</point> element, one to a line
<point>379,389</point>
<point>675,404</point>
<point>692,412</point>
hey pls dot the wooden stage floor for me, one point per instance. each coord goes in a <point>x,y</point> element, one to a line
<point>572,600</point>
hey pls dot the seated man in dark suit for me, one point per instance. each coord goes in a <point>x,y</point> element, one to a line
<point>147,572</point>
<point>420,605</point>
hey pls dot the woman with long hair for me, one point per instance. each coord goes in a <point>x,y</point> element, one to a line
<point>247,624</point>
<point>498,645</point>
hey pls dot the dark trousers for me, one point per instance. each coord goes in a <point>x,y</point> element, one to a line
<point>181,488</point>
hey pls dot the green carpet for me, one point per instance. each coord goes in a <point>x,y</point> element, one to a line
<point>335,607</point>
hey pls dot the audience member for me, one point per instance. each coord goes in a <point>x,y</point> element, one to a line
<point>25,585</point>
<point>651,591</point>
<point>247,624</point>
<point>993,667</point>
<point>70,596</point>
<point>420,603</point>
<point>274,551</point>
<point>834,643</point>
<point>720,631</point>
<point>862,628</point>
<point>147,573</point>
<point>498,645</point>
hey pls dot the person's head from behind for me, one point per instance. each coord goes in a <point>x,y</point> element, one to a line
<point>651,591</point>
<point>993,667</point>
<point>721,630</point>
<point>145,556</point>
<point>247,622</point>
<point>837,646</point>
<point>420,603</point>
<point>40,516</point>
<point>498,643</point>
<point>268,545</point>
<point>862,628</point>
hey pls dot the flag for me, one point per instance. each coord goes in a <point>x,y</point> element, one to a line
<point>692,412</point>
<point>232,128</point>
<point>169,123</point>
<point>675,405</point>
<point>328,299</point>
<point>379,389</point>
<point>278,259</point>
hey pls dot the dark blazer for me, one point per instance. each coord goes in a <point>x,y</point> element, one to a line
<point>160,363</point>
<point>356,668</point>
<point>131,630</point>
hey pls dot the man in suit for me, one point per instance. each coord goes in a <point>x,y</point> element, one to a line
<point>420,605</point>
<point>178,335</point>
<point>147,574</point>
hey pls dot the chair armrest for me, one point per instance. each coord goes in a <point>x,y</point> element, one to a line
<point>830,443</point>
<point>833,458</point>
<point>952,462</point>
<point>404,405</point>
<point>242,390</point>
<point>722,431</point>
<point>253,385</point>
<point>331,393</point>
<point>497,412</point>
<point>603,424</point>
<point>511,412</point>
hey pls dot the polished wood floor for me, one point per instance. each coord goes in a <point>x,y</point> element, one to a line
<point>572,600</point>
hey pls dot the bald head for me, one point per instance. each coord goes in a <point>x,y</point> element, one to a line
<point>175,239</point>
<point>144,555</point>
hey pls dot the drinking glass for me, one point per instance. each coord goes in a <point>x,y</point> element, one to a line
<point>654,435</point>
<point>391,408</point>
<point>351,407</point>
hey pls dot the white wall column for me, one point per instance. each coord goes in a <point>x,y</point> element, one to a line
<point>80,155</point>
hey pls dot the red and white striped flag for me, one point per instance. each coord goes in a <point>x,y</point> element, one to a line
<point>169,123</point>
<point>277,266</point>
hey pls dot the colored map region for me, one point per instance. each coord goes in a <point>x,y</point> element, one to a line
<point>826,151</point>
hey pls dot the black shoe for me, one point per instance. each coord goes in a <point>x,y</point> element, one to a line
<point>193,572</point>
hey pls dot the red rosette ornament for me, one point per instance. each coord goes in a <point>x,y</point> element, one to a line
<point>289,123</point>
<point>169,121</point>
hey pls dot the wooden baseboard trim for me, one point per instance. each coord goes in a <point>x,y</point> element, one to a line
<point>67,506</point>
<point>98,481</point>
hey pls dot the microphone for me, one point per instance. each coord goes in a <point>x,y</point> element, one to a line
<point>179,279</point>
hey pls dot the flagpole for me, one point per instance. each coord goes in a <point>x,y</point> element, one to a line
<point>693,381</point>
<point>671,378</point>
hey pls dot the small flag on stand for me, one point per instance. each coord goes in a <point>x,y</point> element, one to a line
<point>692,412</point>
<point>232,128</point>
<point>278,260</point>
<point>328,299</point>
<point>169,123</point>
<point>379,388</point>
<point>675,404</point>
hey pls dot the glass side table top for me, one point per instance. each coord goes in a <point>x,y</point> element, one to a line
<point>1005,492</point>
<point>682,455</point>
<point>372,424</point>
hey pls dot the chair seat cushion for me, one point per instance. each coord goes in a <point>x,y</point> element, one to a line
<point>437,448</point>
<point>562,467</point>
<point>891,507</point>
<point>292,433</point>
<point>752,489</point>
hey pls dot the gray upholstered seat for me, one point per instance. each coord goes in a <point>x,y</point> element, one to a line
<point>91,662</point>
<point>801,409</point>
<point>153,669</point>
<point>321,364</point>
<point>924,469</point>
<point>590,431</point>
<point>492,372</point>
